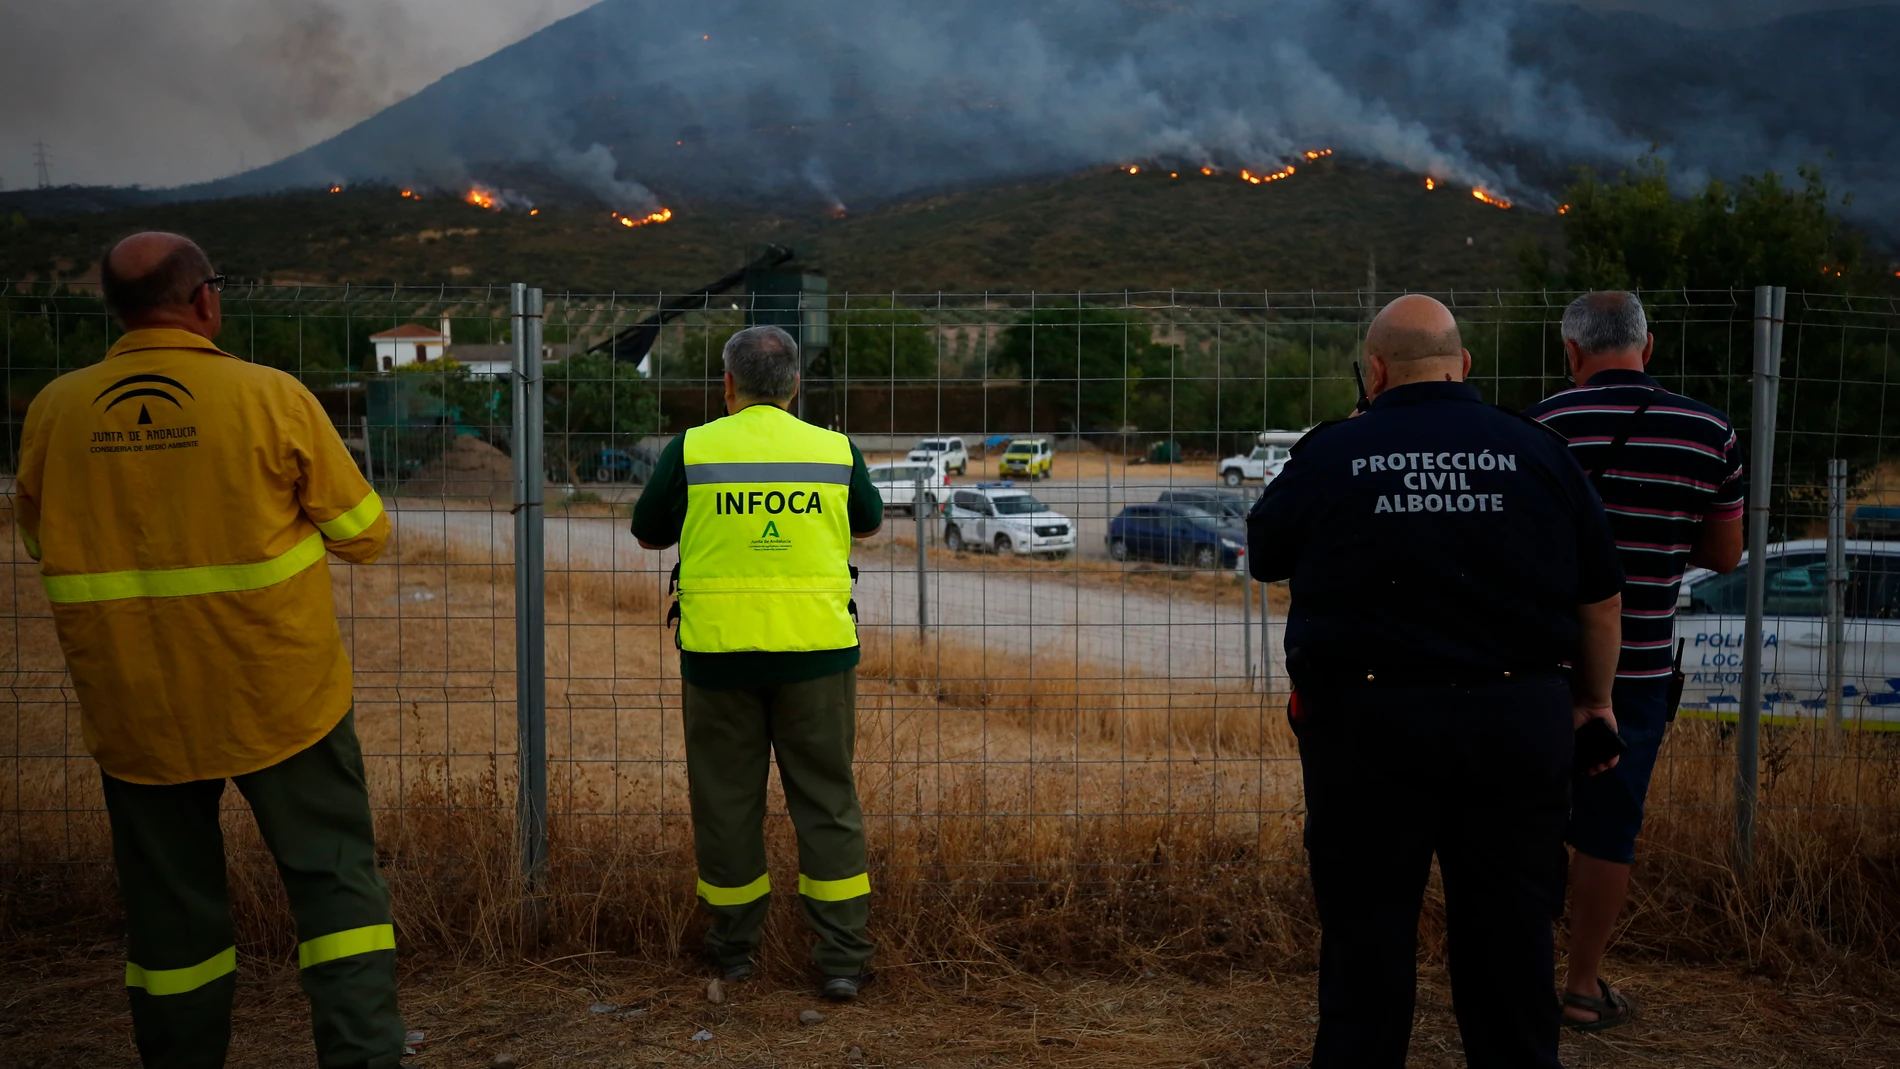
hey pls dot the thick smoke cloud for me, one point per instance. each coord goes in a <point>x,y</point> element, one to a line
<point>836,101</point>
<point>163,92</point>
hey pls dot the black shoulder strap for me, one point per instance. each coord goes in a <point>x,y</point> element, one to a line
<point>1615,455</point>
<point>1535,422</point>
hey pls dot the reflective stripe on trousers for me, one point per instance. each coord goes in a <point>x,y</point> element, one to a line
<point>180,981</point>
<point>835,890</point>
<point>735,896</point>
<point>344,944</point>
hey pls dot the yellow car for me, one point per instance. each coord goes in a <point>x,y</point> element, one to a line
<point>1027,457</point>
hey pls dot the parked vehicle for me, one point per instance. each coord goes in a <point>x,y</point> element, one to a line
<point>897,484</point>
<point>1176,534</point>
<point>1263,464</point>
<point>947,452</point>
<point>1030,458</point>
<point>1004,520</point>
<point>1230,505</point>
<point>1711,622</point>
<point>622,466</point>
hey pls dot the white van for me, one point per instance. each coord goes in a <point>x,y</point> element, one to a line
<point>1711,623</point>
<point>897,484</point>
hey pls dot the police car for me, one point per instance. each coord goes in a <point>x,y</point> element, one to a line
<point>1711,622</point>
<point>1002,519</point>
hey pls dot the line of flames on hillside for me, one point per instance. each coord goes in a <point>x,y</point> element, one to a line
<point>1252,177</point>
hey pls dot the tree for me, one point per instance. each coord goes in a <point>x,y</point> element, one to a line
<point>1094,359</point>
<point>882,342</point>
<point>1711,249</point>
<point>1633,233</point>
<point>594,402</point>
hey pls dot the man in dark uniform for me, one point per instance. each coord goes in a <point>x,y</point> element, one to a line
<point>1447,559</point>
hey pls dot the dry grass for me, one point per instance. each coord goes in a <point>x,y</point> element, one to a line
<point>1016,821</point>
<point>65,1008</point>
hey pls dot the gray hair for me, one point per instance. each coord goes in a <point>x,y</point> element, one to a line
<point>764,363</point>
<point>1608,321</point>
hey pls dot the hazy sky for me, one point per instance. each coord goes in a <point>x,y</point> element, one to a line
<point>163,92</point>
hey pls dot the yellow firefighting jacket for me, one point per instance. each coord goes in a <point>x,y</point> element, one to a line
<point>180,502</point>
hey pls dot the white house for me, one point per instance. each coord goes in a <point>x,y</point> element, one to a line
<point>410,343</point>
<point>413,343</point>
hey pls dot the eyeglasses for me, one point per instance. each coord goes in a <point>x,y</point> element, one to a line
<point>216,282</point>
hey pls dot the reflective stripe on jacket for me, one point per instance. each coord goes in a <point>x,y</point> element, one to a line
<point>181,503</point>
<point>765,555</point>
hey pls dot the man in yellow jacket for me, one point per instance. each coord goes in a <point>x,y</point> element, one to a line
<point>181,503</point>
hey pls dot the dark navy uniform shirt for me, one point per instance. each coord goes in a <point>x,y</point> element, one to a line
<point>1433,537</point>
<point>1680,466</point>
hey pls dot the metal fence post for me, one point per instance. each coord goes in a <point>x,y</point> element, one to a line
<point>1770,302</point>
<point>531,714</point>
<point>1246,621</point>
<point>1836,593</point>
<point>923,576</point>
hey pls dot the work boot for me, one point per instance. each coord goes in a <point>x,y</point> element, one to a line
<point>733,974</point>
<point>844,988</point>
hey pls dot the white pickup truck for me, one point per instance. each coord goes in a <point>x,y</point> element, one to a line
<point>1265,462</point>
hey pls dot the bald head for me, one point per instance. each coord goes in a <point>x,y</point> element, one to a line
<point>1414,339</point>
<point>1414,327</point>
<point>153,275</point>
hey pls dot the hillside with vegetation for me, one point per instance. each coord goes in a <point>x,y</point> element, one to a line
<point>1104,230</point>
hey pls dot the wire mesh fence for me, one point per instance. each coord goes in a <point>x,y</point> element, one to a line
<point>1067,685</point>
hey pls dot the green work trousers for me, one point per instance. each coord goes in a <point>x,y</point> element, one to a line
<point>731,738</point>
<point>181,968</point>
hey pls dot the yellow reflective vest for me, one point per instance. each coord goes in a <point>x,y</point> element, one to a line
<point>765,554</point>
<point>181,502</point>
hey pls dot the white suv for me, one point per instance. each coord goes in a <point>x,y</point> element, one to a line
<point>947,452</point>
<point>1263,463</point>
<point>1002,519</point>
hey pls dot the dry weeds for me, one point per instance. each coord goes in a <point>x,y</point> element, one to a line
<point>1017,822</point>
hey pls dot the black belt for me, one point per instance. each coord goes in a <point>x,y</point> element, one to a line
<point>1429,677</point>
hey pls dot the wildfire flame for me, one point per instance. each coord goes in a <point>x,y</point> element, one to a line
<point>1430,185</point>
<point>1207,170</point>
<point>408,192</point>
<point>1258,179</point>
<point>1314,154</point>
<point>1134,170</point>
<point>534,211</point>
<point>482,198</point>
<point>1563,209</point>
<point>660,216</point>
<point>1494,201</point>
<point>336,189</point>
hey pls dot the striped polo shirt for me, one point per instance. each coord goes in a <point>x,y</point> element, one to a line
<point>1680,466</point>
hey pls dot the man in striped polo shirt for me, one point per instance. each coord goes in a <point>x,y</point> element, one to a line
<point>1670,475</point>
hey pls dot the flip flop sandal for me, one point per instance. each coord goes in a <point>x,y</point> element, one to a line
<point>1613,1010</point>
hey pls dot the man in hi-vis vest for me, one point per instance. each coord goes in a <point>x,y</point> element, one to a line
<point>182,504</point>
<point>764,508</point>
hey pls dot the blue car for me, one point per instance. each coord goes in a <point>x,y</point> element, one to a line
<point>1176,534</point>
<point>623,466</point>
